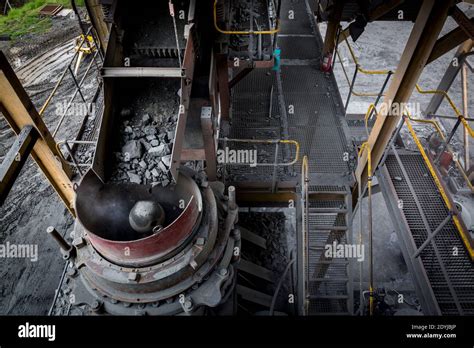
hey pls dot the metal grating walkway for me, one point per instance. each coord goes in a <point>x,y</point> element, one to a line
<point>443,272</point>
<point>314,112</point>
<point>313,115</point>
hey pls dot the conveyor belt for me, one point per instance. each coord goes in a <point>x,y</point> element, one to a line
<point>443,272</point>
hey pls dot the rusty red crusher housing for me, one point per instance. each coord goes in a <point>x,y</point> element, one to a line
<point>187,265</point>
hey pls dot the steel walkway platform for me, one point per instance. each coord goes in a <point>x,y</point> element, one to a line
<point>443,272</point>
<point>313,114</point>
<point>302,103</point>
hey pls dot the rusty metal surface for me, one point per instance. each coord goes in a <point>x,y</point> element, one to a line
<point>50,10</point>
<point>103,209</point>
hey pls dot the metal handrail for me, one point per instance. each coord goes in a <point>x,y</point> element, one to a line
<point>465,238</point>
<point>358,69</point>
<point>69,150</point>
<point>365,147</point>
<point>353,92</point>
<point>356,61</point>
<point>56,87</point>
<point>305,223</point>
<point>459,115</point>
<point>238,32</point>
<point>436,125</point>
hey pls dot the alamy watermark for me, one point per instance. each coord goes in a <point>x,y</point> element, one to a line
<point>231,156</point>
<point>390,108</point>
<point>74,109</point>
<point>19,251</point>
<point>345,251</point>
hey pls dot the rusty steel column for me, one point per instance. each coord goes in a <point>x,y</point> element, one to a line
<point>20,112</point>
<point>428,25</point>
<point>223,80</point>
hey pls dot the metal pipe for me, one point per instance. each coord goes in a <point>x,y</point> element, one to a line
<point>305,225</point>
<point>48,100</point>
<point>381,93</point>
<point>58,238</point>
<point>371,254</point>
<point>351,88</point>
<point>365,146</point>
<point>56,293</point>
<point>73,159</point>
<point>361,222</point>
<point>465,103</point>
<point>232,199</point>
<point>451,135</point>
<point>72,98</point>
<point>280,283</point>
<point>171,6</point>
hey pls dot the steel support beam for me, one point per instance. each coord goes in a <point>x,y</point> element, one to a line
<point>20,112</point>
<point>96,15</point>
<point>223,81</point>
<point>239,76</point>
<point>463,21</point>
<point>15,159</point>
<point>448,42</point>
<point>186,87</point>
<point>428,25</point>
<point>210,145</point>
<point>142,72</point>
<point>333,25</point>
<point>374,14</point>
<point>449,77</point>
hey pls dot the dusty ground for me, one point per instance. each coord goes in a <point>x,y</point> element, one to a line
<point>28,287</point>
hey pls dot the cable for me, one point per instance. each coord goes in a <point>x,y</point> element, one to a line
<point>280,282</point>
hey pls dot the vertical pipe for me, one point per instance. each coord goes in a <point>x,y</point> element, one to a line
<point>448,140</point>
<point>361,221</point>
<point>465,103</point>
<point>371,255</point>
<point>351,88</point>
<point>172,14</point>
<point>73,159</point>
<point>232,199</point>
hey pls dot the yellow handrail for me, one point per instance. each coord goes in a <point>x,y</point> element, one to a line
<point>357,94</point>
<point>237,32</point>
<point>368,114</point>
<point>435,124</point>
<point>356,61</point>
<point>304,186</point>
<point>465,238</point>
<point>360,69</point>
<point>453,106</point>
<point>365,146</point>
